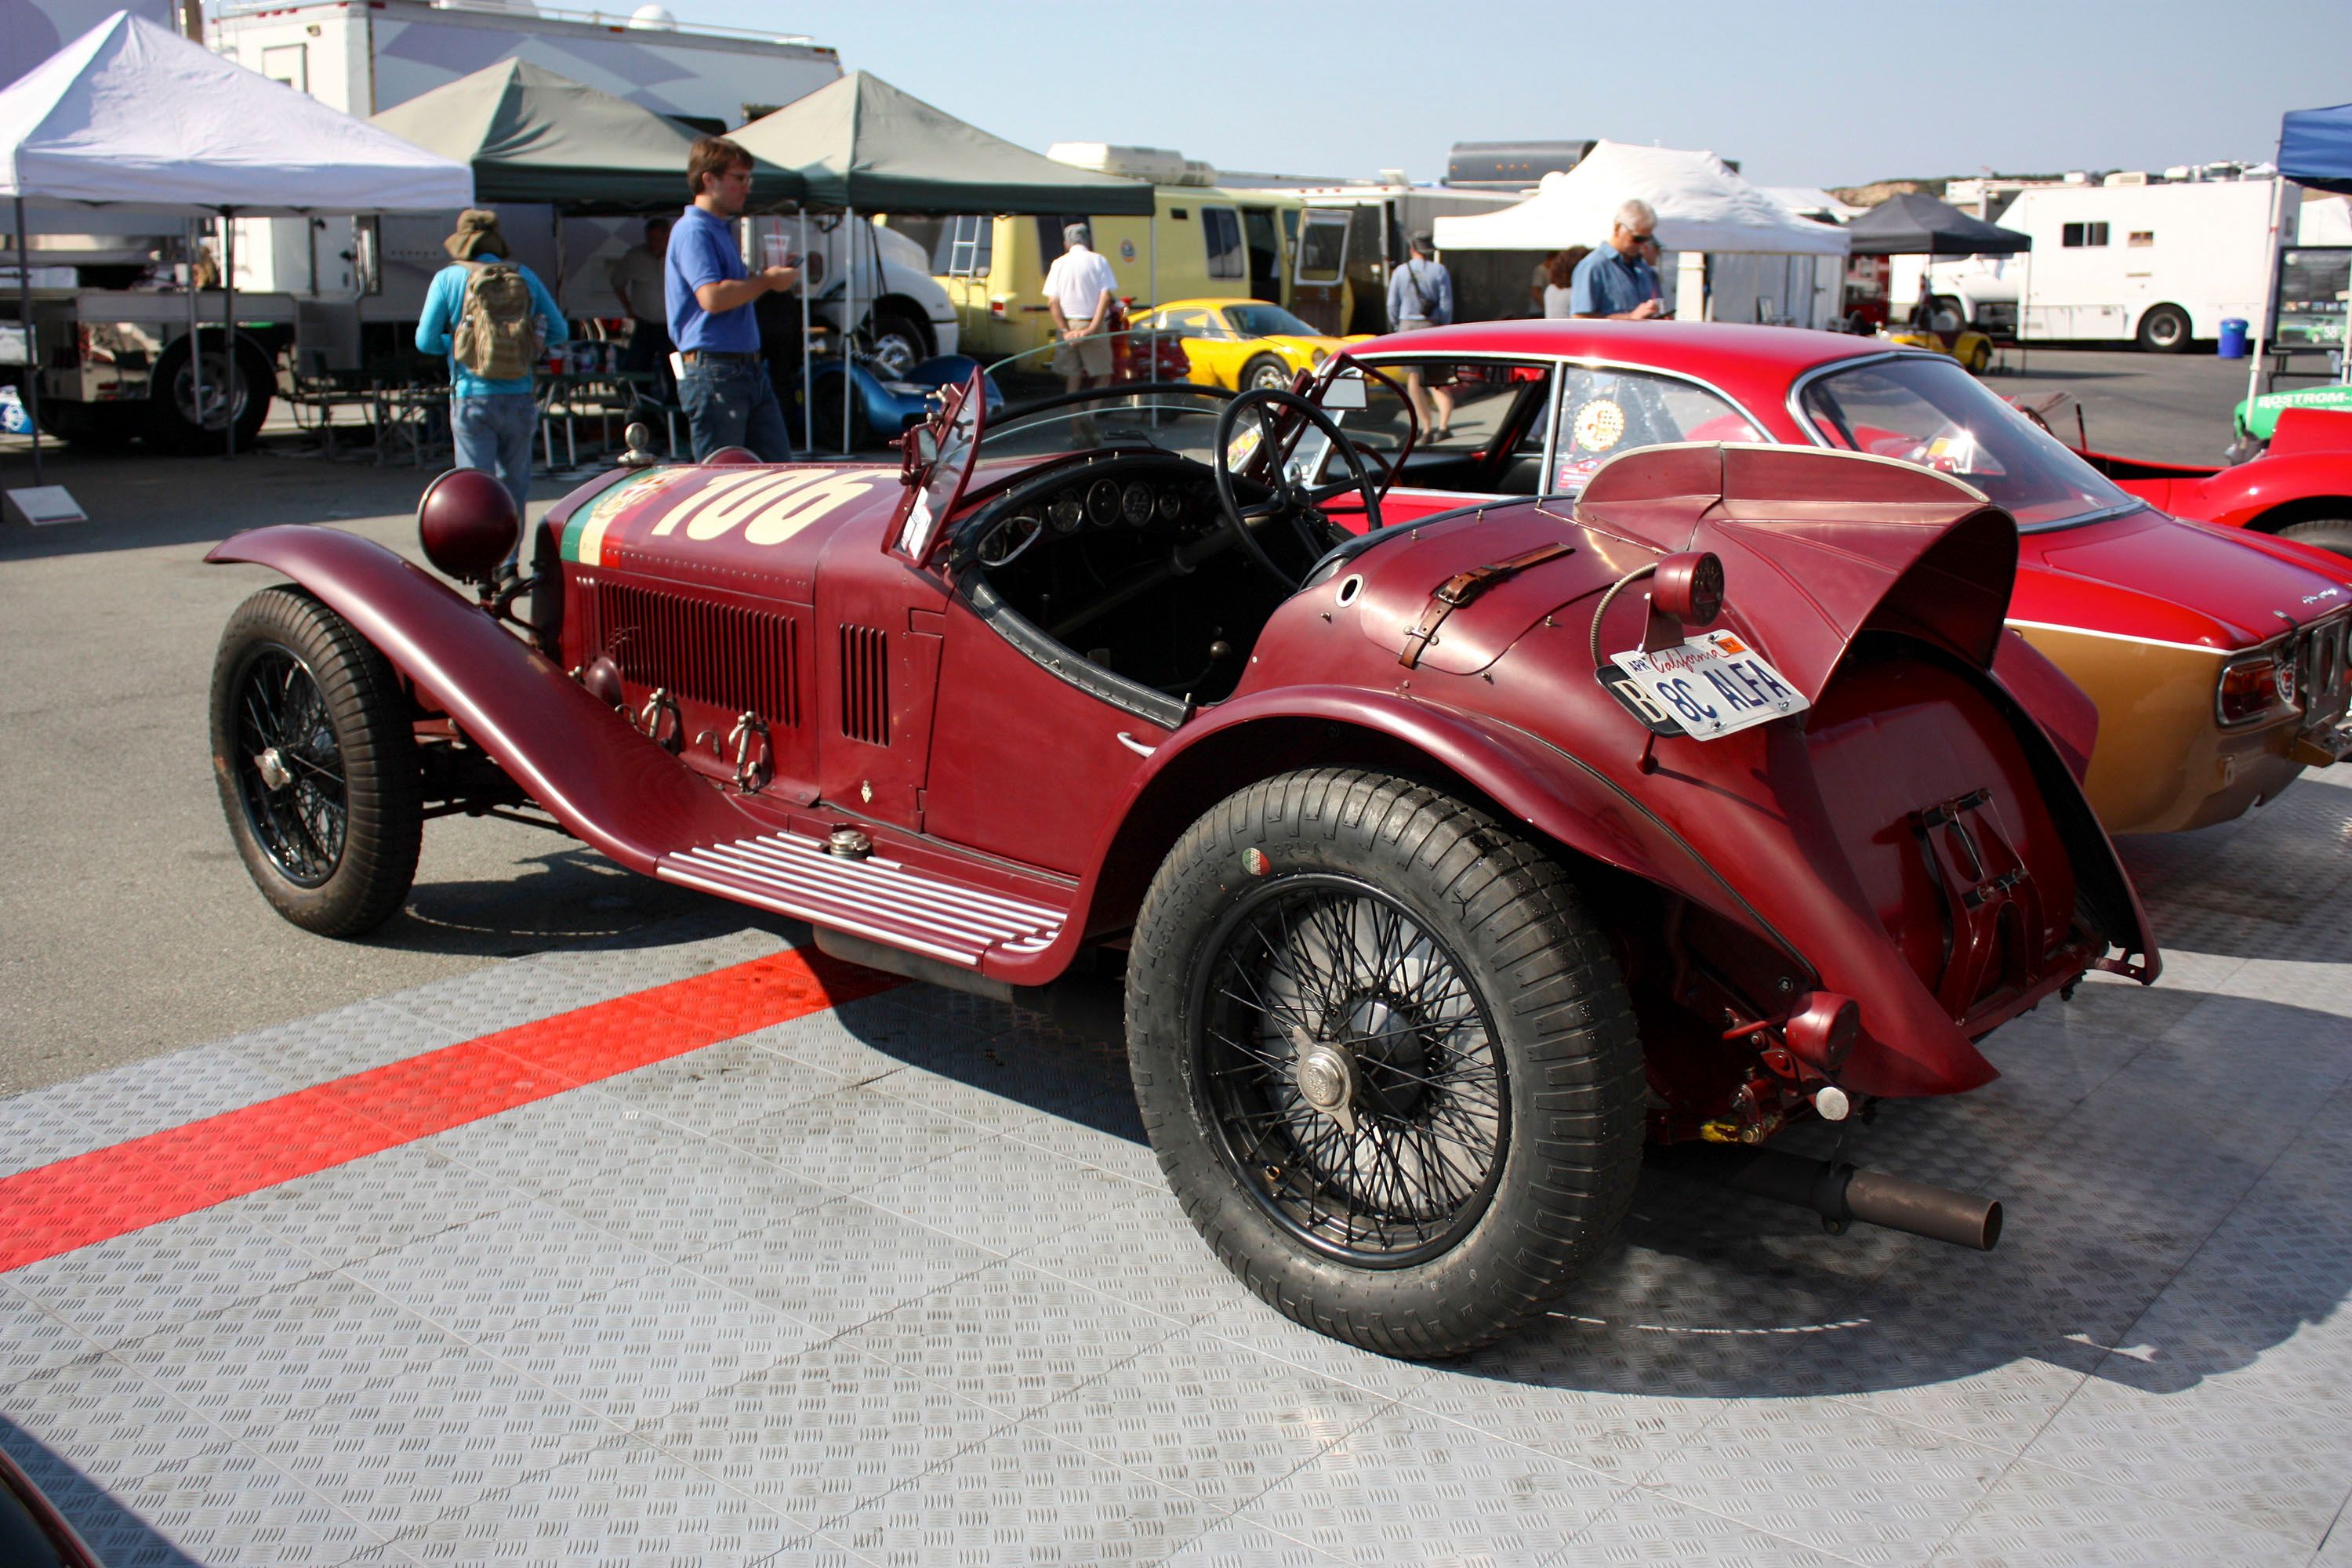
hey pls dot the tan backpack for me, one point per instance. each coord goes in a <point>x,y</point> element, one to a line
<point>498,327</point>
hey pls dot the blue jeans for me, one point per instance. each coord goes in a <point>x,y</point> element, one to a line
<point>731,403</point>
<point>493,433</point>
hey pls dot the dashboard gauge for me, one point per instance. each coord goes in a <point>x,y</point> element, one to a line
<point>1009,539</point>
<point>1066,512</point>
<point>1172,504</point>
<point>1102,502</point>
<point>1135,503</point>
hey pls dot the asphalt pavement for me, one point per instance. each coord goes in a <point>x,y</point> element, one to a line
<point>128,927</point>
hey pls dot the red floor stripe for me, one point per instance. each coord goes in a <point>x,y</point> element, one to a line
<point>129,1187</point>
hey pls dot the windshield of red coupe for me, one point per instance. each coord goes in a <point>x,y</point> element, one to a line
<point>1933,413</point>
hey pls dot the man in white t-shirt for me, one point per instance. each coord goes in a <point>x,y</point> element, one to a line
<point>1078,290</point>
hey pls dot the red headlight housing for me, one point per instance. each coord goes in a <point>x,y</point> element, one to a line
<point>468,525</point>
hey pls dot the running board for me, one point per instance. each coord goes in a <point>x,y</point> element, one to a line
<point>882,899</point>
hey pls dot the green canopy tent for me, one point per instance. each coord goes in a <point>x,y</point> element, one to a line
<point>861,143</point>
<point>530,135</point>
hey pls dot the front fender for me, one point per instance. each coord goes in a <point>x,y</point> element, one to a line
<point>608,785</point>
<point>2243,496</point>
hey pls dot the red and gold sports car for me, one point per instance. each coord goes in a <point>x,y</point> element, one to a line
<point>2217,657</point>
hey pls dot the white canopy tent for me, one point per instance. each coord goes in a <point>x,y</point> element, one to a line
<point>1702,206</point>
<point>131,116</point>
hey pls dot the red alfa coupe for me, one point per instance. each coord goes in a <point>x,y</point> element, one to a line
<point>2217,657</point>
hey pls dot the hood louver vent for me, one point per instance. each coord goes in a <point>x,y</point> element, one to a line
<point>866,684</point>
<point>735,659</point>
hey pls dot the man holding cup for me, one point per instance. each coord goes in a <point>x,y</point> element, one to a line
<point>722,383</point>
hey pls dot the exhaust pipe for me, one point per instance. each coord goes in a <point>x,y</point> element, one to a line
<point>1839,1193</point>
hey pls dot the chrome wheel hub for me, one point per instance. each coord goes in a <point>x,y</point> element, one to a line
<point>271,766</point>
<point>1326,1076</point>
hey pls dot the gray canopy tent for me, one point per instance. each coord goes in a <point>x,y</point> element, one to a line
<point>1912,223</point>
<point>530,135</point>
<point>861,143</point>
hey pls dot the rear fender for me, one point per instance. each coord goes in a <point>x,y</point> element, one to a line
<point>606,783</point>
<point>1539,786</point>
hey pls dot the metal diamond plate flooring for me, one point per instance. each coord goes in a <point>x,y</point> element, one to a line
<point>898,1283</point>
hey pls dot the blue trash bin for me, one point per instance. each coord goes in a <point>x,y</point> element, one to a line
<point>2233,337</point>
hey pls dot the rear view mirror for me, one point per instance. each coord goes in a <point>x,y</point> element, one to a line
<point>1344,392</point>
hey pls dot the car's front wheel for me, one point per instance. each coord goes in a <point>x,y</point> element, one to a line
<point>2322,533</point>
<point>316,760</point>
<point>1385,1059</point>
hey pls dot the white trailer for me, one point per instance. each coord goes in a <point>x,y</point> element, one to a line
<point>2156,262</point>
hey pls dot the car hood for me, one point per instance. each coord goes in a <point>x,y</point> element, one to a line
<point>2179,582</point>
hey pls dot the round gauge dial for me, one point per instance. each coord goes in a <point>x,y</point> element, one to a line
<point>1102,502</point>
<point>1009,539</point>
<point>1067,511</point>
<point>1172,504</point>
<point>1135,503</point>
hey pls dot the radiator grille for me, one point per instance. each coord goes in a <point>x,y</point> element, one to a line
<point>866,684</point>
<point>738,659</point>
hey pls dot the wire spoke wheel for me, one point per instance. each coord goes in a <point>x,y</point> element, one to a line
<point>315,755</point>
<point>289,770</point>
<point>1350,1071</point>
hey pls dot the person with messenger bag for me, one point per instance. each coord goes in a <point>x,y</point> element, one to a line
<point>495,320</point>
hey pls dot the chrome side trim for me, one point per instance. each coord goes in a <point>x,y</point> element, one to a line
<point>879,898</point>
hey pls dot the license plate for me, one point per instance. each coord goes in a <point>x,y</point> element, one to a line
<point>1708,687</point>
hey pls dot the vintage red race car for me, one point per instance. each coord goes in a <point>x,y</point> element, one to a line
<point>2299,488</point>
<point>1438,865</point>
<point>2217,658</point>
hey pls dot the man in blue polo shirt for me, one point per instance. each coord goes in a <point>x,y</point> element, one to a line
<point>1614,281</point>
<point>725,390</point>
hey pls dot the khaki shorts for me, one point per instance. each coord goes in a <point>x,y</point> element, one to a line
<point>1088,355</point>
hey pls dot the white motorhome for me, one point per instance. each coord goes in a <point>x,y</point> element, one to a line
<point>2153,261</point>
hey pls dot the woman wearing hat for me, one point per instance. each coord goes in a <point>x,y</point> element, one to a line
<point>494,320</point>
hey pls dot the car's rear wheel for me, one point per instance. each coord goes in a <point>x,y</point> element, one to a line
<point>2322,533</point>
<point>2164,329</point>
<point>1385,1059</point>
<point>316,761</point>
<point>1265,371</point>
<point>1979,357</point>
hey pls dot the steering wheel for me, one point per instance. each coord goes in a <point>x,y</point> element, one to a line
<point>1295,504</point>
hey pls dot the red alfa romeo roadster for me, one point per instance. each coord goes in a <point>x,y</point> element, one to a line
<point>1441,865</point>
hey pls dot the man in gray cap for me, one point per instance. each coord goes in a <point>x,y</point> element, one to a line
<point>1079,288</point>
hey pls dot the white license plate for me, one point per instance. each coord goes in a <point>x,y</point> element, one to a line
<point>1711,686</point>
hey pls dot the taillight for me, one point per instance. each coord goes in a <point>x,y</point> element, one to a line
<point>2255,686</point>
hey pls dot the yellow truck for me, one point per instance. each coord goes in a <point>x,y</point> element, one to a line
<point>1207,241</point>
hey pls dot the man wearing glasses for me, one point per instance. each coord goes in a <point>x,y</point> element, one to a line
<point>1615,281</point>
<point>723,384</point>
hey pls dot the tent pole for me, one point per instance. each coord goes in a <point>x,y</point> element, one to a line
<point>228,333</point>
<point>2270,296</point>
<point>808,387</point>
<point>24,317</point>
<point>1151,251</point>
<point>848,319</point>
<point>195,326</point>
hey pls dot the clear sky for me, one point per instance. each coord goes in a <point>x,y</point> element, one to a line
<point>1798,94</point>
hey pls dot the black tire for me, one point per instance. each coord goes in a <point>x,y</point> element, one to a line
<point>1979,357</point>
<point>1265,370</point>
<point>316,762</point>
<point>2164,329</point>
<point>900,343</point>
<point>173,423</point>
<point>2322,533</point>
<point>1544,1166</point>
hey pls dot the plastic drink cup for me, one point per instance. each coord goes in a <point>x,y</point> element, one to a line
<point>775,250</point>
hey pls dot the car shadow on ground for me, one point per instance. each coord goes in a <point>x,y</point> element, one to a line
<point>109,1529</point>
<point>2127,1126</point>
<point>570,895</point>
